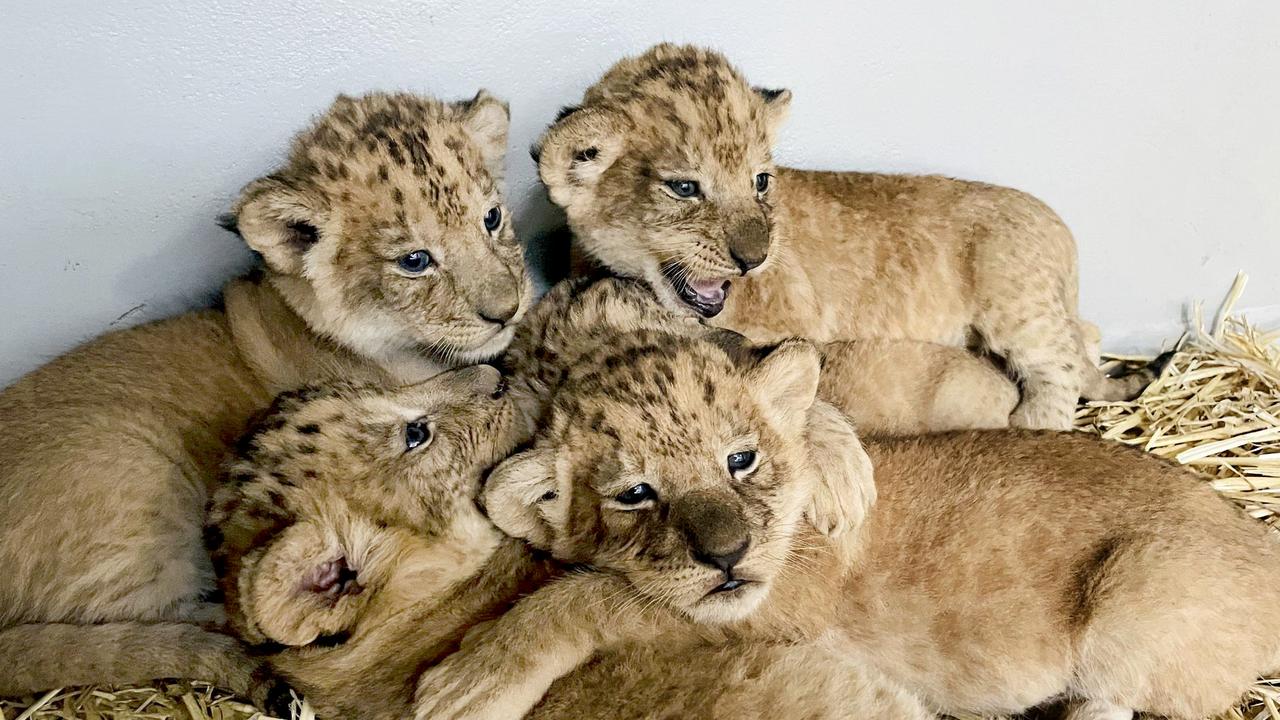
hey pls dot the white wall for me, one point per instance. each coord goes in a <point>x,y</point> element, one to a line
<point>1152,126</point>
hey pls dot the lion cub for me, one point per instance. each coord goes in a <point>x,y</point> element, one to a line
<point>353,556</point>
<point>997,570</point>
<point>666,174</point>
<point>387,256</point>
<point>887,387</point>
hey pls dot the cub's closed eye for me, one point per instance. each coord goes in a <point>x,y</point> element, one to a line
<point>415,263</point>
<point>741,462</point>
<point>684,188</point>
<point>493,219</point>
<point>417,434</point>
<point>637,494</point>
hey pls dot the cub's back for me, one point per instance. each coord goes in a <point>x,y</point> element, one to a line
<point>164,397</point>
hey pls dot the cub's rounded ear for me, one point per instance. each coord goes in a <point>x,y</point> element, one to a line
<point>522,496</point>
<point>299,589</point>
<point>278,220</point>
<point>575,151</point>
<point>777,104</point>
<point>486,120</point>
<point>785,380</point>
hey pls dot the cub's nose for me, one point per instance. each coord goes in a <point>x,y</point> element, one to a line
<point>747,263</point>
<point>749,244</point>
<point>714,528</point>
<point>724,562</point>
<point>499,313</point>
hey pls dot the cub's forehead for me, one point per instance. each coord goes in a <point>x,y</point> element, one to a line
<point>675,395</point>
<point>689,101</point>
<point>394,154</point>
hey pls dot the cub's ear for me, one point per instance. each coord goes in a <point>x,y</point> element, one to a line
<point>278,220</point>
<point>486,120</point>
<point>785,381</point>
<point>522,497</point>
<point>777,105</point>
<point>575,151</point>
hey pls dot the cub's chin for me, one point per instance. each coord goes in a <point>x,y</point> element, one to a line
<point>482,352</point>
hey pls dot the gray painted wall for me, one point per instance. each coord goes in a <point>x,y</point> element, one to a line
<point>1153,127</point>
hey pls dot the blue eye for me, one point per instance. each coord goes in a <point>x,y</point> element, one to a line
<point>637,494</point>
<point>493,219</point>
<point>416,434</point>
<point>684,188</point>
<point>741,461</point>
<point>416,262</point>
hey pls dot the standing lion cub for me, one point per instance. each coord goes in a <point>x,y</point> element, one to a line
<point>666,174</point>
<point>387,256</point>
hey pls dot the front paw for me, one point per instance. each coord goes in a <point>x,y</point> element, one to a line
<point>453,691</point>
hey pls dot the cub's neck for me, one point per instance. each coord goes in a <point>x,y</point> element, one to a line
<point>284,350</point>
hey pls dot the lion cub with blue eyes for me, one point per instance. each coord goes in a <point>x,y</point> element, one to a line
<point>353,556</point>
<point>996,570</point>
<point>666,174</point>
<point>387,257</point>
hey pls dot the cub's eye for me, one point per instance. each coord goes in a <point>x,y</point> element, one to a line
<point>493,219</point>
<point>637,494</point>
<point>416,262</point>
<point>741,462</point>
<point>684,188</point>
<point>762,183</point>
<point>417,434</point>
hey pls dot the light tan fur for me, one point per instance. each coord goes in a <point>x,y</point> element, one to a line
<point>356,564</point>
<point>823,255</point>
<point>107,453</point>
<point>997,570</point>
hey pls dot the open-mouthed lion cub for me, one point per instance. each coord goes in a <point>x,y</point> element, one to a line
<point>387,256</point>
<point>666,174</point>
<point>997,570</point>
<point>352,556</point>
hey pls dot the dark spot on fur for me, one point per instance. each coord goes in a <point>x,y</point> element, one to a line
<point>307,449</point>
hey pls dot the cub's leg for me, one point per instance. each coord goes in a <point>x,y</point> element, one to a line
<point>1098,710</point>
<point>1044,349</point>
<point>504,672</point>
<point>906,387</point>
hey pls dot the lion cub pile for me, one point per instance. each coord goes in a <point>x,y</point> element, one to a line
<point>692,525</point>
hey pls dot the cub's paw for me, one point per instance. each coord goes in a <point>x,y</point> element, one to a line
<point>845,489</point>
<point>461,688</point>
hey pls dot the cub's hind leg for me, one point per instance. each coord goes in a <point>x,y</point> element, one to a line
<point>1045,351</point>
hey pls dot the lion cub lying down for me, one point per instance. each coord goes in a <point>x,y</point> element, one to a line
<point>353,565</point>
<point>996,571</point>
<point>666,174</point>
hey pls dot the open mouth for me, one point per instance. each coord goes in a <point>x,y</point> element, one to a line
<point>705,297</point>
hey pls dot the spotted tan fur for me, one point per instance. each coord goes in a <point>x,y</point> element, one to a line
<point>824,255</point>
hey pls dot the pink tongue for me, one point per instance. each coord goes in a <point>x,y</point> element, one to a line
<point>709,291</point>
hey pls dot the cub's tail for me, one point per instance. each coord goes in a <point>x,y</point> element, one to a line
<point>43,656</point>
<point>1127,385</point>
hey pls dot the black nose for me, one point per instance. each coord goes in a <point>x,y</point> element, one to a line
<point>747,264</point>
<point>725,562</point>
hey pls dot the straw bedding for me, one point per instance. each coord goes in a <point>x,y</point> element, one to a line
<point>1216,409</point>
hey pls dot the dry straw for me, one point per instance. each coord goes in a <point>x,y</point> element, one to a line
<point>1215,409</point>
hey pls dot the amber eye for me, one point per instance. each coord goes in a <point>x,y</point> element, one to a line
<point>741,462</point>
<point>493,219</point>
<point>637,494</point>
<point>416,262</point>
<point>684,188</point>
<point>762,183</point>
<point>417,434</point>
